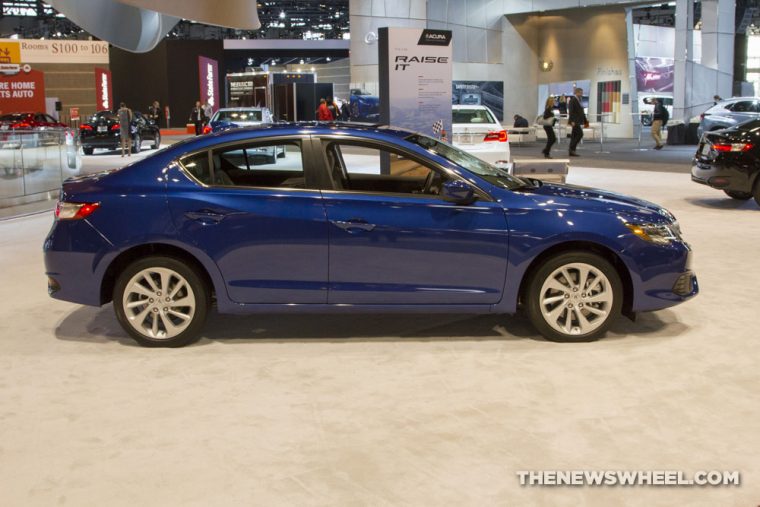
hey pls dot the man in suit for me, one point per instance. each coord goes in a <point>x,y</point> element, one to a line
<point>197,117</point>
<point>576,118</point>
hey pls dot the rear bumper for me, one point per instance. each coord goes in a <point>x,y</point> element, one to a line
<point>722,176</point>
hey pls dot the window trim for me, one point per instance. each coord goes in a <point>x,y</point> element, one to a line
<point>302,140</point>
<point>374,144</point>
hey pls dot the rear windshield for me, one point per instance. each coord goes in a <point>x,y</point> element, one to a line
<point>106,115</point>
<point>233,116</point>
<point>473,116</point>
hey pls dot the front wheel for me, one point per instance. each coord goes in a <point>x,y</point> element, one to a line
<point>161,302</point>
<point>756,192</point>
<point>156,141</point>
<point>137,144</point>
<point>574,297</point>
<point>740,196</point>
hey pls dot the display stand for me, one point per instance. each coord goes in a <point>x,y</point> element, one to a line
<point>641,127</point>
<point>601,134</point>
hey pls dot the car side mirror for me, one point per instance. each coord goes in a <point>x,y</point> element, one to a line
<point>458,192</point>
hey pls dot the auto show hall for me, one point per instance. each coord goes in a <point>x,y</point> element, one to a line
<point>386,410</point>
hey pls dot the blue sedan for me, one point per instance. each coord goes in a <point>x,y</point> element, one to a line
<point>354,219</point>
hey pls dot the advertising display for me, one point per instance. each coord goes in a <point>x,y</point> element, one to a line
<point>103,90</point>
<point>484,93</point>
<point>24,91</point>
<point>608,99</point>
<point>415,80</point>
<point>208,72</point>
<point>49,51</point>
<point>654,74</point>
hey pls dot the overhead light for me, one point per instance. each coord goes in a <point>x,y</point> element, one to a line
<point>545,65</point>
<point>301,61</point>
<point>282,14</point>
<point>312,69</point>
<point>328,59</point>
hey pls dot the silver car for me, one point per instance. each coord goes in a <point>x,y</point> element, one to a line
<point>728,113</point>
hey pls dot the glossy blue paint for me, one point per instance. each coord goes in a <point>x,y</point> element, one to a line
<point>321,249</point>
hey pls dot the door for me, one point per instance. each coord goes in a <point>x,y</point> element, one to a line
<point>252,209</point>
<point>394,240</point>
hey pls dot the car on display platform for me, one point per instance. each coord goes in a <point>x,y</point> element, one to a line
<point>103,131</point>
<point>354,219</point>
<point>236,117</point>
<point>476,130</point>
<point>363,106</point>
<point>729,160</point>
<point>29,121</point>
<point>729,113</point>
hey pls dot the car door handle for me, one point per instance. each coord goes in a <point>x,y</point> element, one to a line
<point>353,225</point>
<point>206,216</point>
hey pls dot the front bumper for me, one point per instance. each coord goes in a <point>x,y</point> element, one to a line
<point>665,277</point>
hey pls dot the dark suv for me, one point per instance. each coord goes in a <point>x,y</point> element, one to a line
<point>103,131</point>
<point>729,160</point>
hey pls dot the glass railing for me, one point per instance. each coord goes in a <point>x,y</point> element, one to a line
<point>36,162</point>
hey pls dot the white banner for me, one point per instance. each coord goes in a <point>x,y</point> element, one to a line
<point>415,75</point>
<point>57,51</point>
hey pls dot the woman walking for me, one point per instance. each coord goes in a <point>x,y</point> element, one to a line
<point>548,120</point>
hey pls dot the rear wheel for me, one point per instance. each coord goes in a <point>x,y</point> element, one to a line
<point>137,144</point>
<point>740,196</point>
<point>756,193</point>
<point>88,151</point>
<point>161,302</point>
<point>157,141</point>
<point>574,297</point>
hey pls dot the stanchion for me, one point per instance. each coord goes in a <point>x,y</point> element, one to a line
<point>601,135</point>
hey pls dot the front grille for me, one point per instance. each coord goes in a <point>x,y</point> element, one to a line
<point>684,284</point>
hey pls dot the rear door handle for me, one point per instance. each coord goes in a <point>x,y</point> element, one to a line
<point>207,216</point>
<point>353,225</point>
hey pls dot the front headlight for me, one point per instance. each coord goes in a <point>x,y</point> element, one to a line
<point>660,234</point>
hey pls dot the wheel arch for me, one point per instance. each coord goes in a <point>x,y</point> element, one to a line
<point>582,246</point>
<point>125,258</point>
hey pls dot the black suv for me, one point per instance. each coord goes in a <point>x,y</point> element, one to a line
<point>102,130</point>
<point>729,160</point>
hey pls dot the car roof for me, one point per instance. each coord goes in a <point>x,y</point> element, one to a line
<point>252,108</point>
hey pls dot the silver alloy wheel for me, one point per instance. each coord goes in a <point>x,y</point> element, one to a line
<point>159,303</point>
<point>576,299</point>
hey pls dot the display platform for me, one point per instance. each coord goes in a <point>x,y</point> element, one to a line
<point>372,410</point>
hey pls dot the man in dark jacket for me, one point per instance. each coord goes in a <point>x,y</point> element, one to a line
<point>576,118</point>
<point>659,119</point>
<point>198,117</point>
<point>520,122</point>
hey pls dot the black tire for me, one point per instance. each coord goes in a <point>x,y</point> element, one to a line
<point>542,274</point>
<point>157,141</point>
<point>197,290</point>
<point>756,192</point>
<point>88,151</point>
<point>739,196</point>
<point>136,144</point>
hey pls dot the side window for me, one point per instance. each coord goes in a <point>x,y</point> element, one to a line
<point>266,165</point>
<point>40,118</point>
<point>379,169</point>
<point>742,107</point>
<point>197,165</point>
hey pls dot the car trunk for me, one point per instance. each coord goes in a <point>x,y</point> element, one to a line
<point>467,133</point>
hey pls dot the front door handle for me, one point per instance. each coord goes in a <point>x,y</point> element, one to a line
<point>353,225</point>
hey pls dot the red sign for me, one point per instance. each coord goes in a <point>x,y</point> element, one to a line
<point>74,113</point>
<point>23,92</point>
<point>103,90</point>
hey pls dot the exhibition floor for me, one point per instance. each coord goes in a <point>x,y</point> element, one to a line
<point>386,410</point>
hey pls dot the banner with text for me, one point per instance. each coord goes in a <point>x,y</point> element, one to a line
<point>104,90</point>
<point>208,71</point>
<point>22,92</point>
<point>49,51</point>
<point>415,80</point>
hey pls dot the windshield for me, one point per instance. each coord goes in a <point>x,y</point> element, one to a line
<point>473,116</point>
<point>233,116</point>
<point>494,175</point>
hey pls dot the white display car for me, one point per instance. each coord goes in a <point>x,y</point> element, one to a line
<point>477,131</point>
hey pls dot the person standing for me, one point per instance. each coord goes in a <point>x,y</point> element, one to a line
<point>154,112</point>
<point>334,109</point>
<point>323,112</point>
<point>548,123</point>
<point>208,110</point>
<point>124,114</point>
<point>345,114</point>
<point>659,119</point>
<point>576,118</point>
<point>197,117</point>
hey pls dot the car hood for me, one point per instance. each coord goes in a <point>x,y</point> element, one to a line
<point>593,199</point>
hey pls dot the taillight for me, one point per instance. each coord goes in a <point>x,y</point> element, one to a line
<point>21,125</point>
<point>496,135</point>
<point>85,127</point>
<point>116,127</point>
<point>206,129</point>
<point>733,147</point>
<point>75,210</point>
